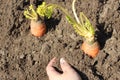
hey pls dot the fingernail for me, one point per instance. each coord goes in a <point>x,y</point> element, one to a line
<point>62,60</point>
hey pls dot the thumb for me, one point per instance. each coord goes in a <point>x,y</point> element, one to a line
<point>65,66</point>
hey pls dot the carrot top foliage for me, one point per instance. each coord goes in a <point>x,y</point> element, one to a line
<point>82,25</point>
<point>45,10</point>
<point>31,13</point>
<point>42,10</point>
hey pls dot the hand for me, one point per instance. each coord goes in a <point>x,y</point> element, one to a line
<point>68,72</point>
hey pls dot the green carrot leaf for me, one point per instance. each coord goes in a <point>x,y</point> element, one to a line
<point>44,10</point>
<point>70,20</point>
<point>86,23</point>
<point>30,13</point>
<point>41,9</point>
<point>49,11</point>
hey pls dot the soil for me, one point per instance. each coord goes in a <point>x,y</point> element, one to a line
<point>25,57</point>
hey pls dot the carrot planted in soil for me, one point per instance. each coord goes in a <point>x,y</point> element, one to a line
<point>84,28</point>
<point>38,29</point>
<point>37,26</point>
<point>91,49</point>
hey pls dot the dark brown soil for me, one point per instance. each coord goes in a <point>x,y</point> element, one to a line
<point>24,57</point>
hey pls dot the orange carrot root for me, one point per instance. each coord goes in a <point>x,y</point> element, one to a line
<point>38,29</point>
<point>90,49</point>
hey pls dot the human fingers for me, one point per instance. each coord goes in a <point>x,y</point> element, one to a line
<point>50,69</point>
<point>65,66</point>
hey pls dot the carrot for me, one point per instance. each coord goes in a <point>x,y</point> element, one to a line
<point>37,26</point>
<point>91,49</point>
<point>38,29</point>
<point>84,28</point>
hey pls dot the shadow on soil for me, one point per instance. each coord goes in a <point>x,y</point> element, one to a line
<point>52,22</point>
<point>95,72</point>
<point>103,1</point>
<point>33,2</point>
<point>36,2</point>
<point>103,34</point>
<point>82,75</point>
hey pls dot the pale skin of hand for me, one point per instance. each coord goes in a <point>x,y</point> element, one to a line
<point>68,72</point>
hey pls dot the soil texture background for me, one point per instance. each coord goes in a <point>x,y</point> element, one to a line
<point>25,57</point>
